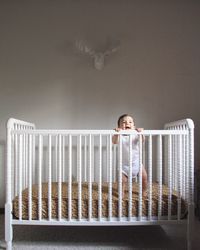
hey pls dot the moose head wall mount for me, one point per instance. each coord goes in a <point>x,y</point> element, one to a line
<point>98,56</point>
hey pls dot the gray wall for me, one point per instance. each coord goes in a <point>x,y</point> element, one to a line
<point>154,76</point>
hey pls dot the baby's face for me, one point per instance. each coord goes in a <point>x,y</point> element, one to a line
<point>127,123</point>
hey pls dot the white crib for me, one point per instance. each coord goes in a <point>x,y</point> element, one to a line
<point>74,177</point>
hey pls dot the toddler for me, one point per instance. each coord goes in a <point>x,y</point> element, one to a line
<point>126,122</point>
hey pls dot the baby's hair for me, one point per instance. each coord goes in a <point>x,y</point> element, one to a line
<point>121,117</point>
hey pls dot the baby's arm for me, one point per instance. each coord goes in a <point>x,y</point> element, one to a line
<point>115,138</point>
<point>140,130</point>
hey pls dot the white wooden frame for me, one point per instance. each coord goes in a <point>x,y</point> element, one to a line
<point>28,147</point>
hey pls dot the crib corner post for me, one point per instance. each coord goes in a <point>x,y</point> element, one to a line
<point>190,220</point>
<point>190,224</point>
<point>8,226</point>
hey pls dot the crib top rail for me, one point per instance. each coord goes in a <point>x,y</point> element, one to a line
<point>173,128</point>
<point>98,132</point>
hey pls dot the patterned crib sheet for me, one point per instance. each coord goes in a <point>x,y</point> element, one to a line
<point>95,201</point>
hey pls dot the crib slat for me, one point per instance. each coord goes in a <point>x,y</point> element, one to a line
<point>159,176</point>
<point>40,179</point>
<point>34,161</point>
<point>150,177</point>
<point>173,161</point>
<point>63,159</point>
<point>70,179</point>
<point>140,180</point>
<point>107,158</point>
<point>23,161</point>
<point>114,163</point>
<point>59,177</point>
<point>16,163</point>
<point>49,176</point>
<point>120,179</point>
<point>20,175</point>
<point>30,179</point>
<point>169,176</point>
<point>130,178</point>
<point>179,175</point>
<point>100,180</point>
<point>90,179</point>
<point>187,166</point>
<point>110,176</point>
<point>56,158</point>
<point>26,161</point>
<point>79,179</point>
<point>85,158</point>
<point>184,166</point>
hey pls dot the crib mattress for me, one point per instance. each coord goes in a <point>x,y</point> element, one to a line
<point>105,201</point>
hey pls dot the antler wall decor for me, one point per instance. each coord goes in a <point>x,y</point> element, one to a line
<point>98,56</point>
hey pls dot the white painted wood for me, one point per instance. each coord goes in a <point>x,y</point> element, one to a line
<point>35,156</point>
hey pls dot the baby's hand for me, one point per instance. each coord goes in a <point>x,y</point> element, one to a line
<point>139,129</point>
<point>117,129</point>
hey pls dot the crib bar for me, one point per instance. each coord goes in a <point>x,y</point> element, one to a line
<point>49,175</point>
<point>110,177</point>
<point>100,180</point>
<point>59,177</point>
<point>130,178</point>
<point>114,162</point>
<point>40,179</point>
<point>169,176</point>
<point>20,176</point>
<point>70,179</point>
<point>184,167</point>
<point>107,158</point>
<point>150,177</point>
<point>16,164</point>
<point>90,180</point>
<point>179,175</point>
<point>79,179</point>
<point>25,160</point>
<point>34,161</point>
<point>140,180</point>
<point>120,180</point>
<point>56,157</point>
<point>187,166</point>
<point>30,178</point>
<point>63,158</point>
<point>160,176</point>
<point>85,158</point>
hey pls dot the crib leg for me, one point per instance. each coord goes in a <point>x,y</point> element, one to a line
<point>8,227</point>
<point>190,222</point>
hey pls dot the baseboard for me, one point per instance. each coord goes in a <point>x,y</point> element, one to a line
<point>2,210</point>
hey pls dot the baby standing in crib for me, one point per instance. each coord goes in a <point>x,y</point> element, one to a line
<point>126,122</point>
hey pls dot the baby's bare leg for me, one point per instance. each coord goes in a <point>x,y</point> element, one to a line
<point>144,181</point>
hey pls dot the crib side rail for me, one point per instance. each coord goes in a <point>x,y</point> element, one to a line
<point>42,156</point>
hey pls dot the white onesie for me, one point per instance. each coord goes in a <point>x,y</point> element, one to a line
<point>135,155</point>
